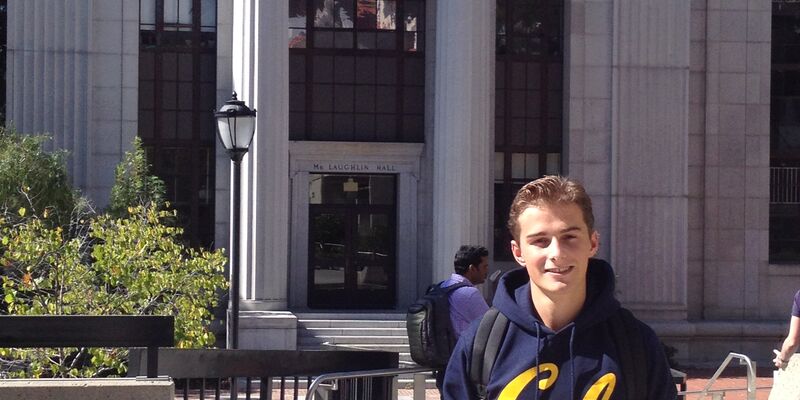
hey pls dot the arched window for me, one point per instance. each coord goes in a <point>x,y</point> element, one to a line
<point>356,70</point>
<point>528,102</point>
<point>177,96</point>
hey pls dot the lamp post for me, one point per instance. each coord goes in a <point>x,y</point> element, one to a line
<point>236,125</point>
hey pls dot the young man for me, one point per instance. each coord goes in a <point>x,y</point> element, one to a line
<point>471,265</point>
<point>559,343</point>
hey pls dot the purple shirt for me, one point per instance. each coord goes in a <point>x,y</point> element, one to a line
<point>795,306</point>
<point>466,304</point>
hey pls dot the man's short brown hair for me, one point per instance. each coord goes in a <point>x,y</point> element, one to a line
<point>547,190</point>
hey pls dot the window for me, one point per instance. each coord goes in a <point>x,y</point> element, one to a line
<point>528,102</point>
<point>356,70</point>
<point>177,96</point>
<point>784,207</point>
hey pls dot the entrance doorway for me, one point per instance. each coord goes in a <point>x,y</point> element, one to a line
<point>352,241</point>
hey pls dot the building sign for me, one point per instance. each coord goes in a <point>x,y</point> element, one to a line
<point>361,167</point>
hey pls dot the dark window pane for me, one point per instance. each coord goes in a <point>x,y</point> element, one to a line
<point>322,98</point>
<point>169,65</point>
<point>323,39</point>
<point>146,66</point>
<point>499,132</point>
<point>323,69</point>
<point>386,129</point>
<point>413,128</point>
<point>414,41</point>
<point>344,98</point>
<point>516,100</point>
<point>185,73</point>
<point>499,103</point>
<point>146,95</point>
<point>500,75</point>
<point>343,126</point>
<point>169,95</point>
<point>168,124</point>
<point>516,134</point>
<point>365,99</point>
<point>297,125</point>
<point>518,75</point>
<point>386,40</point>
<point>344,69</point>
<point>414,71</point>
<point>297,68</point>
<point>413,100</point>
<point>534,104</point>
<point>343,40</point>
<point>146,126</point>
<point>365,70</point>
<point>554,105</point>
<point>386,99</point>
<point>208,98</point>
<point>365,127</point>
<point>323,13</point>
<point>297,97</point>
<point>534,132</point>
<point>534,77</point>
<point>554,77</point>
<point>185,95</point>
<point>184,126</point>
<point>321,125</point>
<point>387,70</point>
<point>366,40</point>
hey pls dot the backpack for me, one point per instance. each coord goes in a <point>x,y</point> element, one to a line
<point>624,331</point>
<point>430,333</point>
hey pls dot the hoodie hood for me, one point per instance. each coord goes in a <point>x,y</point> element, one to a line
<point>513,298</point>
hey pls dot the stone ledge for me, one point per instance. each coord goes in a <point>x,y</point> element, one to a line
<point>90,389</point>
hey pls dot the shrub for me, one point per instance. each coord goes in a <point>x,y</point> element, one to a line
<point>32,178</point>
<point>105,266</point>
<point>133,184</point>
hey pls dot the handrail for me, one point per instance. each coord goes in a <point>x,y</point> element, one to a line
<point>317,382</point>
<point>751,375</point>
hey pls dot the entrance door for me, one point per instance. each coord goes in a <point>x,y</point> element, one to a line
<point>352,241</point>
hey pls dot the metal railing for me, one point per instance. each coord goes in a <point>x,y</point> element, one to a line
<point>262,374</point>
<point>719,394</point>
<point>320,387</point>
<point>784,185</point>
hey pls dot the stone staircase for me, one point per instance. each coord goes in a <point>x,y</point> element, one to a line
<point>368,331</point>
<point>358,331</point>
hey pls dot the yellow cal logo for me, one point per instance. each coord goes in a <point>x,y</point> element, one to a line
<point>604,386</point>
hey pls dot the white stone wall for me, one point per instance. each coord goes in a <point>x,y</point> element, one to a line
<point>736,159</point>
<point>72,72</point>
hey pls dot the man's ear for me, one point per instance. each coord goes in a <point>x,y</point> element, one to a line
<point>594,239</point>
<point>517,252</point>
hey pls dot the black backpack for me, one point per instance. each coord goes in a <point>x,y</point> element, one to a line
<point>430,334</point>
<point>624,330</point>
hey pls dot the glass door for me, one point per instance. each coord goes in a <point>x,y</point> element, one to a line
<point>352,241</point>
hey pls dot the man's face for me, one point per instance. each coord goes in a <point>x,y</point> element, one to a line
<point>554,246</point>
<point>478,273</point>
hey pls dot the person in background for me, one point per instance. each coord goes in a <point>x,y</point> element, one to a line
<point>792,340</point>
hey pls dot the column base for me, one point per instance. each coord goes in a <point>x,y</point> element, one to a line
<point>267,330</point>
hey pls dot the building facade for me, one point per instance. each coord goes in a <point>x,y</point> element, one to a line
<point>389,132</point>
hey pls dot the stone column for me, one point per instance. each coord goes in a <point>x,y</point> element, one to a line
<point>72,72</point>
<point>649,162</point>
<point>260,75</point>
<point>463,129</point>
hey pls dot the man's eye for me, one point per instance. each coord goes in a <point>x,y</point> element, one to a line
<point>541,242</point>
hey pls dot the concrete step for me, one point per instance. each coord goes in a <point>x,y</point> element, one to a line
<point>351,331</point>
<point>350,323</point>
<point>373,340</point>
<point>359,316</point>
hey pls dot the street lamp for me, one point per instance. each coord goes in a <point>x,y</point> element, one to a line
<point>235,124</point>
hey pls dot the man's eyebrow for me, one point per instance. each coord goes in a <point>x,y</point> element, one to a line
<point>565,230</point>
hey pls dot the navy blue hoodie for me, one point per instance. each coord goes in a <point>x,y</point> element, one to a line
<point>578,362</point>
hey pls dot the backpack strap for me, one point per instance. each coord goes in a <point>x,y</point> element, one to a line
<point>631,351</point>
<point>490,335</point>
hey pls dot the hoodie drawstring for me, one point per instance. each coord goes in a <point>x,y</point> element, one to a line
<point>572,363</point>
<point>538,349</point>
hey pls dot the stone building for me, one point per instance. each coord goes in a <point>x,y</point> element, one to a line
<point>391,131</point>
